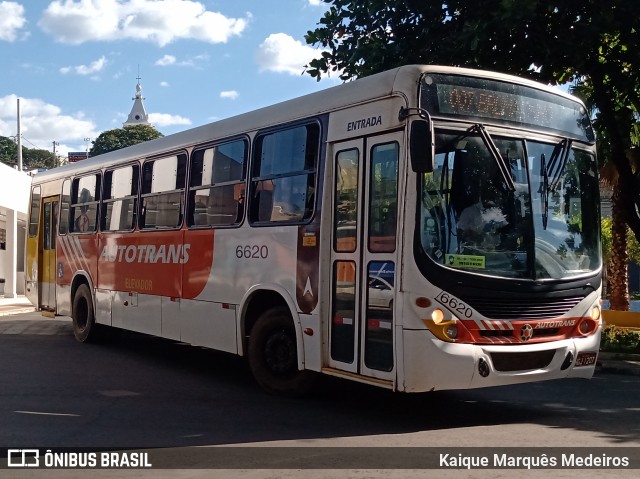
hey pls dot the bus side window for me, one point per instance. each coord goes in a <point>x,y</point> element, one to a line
<point>284,175</point>
<point>217,185</point>
<point>85,192</point>
<point>34,212</point>
<point>120,199</point>
<point>163,182</point>
<point>262,201</point>
<point>65,204</point>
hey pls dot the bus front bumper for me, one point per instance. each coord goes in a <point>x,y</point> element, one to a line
<point>431,364</point>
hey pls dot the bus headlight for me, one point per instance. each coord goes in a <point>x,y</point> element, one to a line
<point>437,316</point>
<point>449,329</point>
<point>444,330</point>
<point>595,313</point>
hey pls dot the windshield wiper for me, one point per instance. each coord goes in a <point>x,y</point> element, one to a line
<point>553,170</point>
<point>493,149</point>
<point>558,162</point>
<point>544,190</point>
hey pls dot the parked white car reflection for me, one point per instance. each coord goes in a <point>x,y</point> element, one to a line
<point>380,293</point>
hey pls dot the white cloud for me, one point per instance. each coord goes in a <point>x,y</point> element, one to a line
<point>166,60</point>
<point>165,119</point>
<point>157,21</point>
<point>283,54</point>
<point>90,69</point>
<point>164,84</point>
<point>11,20</point>
<point>315,3</point>
<point>42,123</point>
<point>170,60</point>
<point>229,94</point>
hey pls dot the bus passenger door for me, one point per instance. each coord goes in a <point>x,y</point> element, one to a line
<point>363,259</point>
<point>379,252</point>
<point>346,276</point>
<point>47,246</point>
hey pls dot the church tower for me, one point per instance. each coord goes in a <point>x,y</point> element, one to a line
<point>138,115</point>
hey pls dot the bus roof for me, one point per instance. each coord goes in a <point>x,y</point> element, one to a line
<point>401,79</point>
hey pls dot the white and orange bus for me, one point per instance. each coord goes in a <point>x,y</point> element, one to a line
<point>420,229</point>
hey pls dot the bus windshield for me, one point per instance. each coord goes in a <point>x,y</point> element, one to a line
<point>542,225</point>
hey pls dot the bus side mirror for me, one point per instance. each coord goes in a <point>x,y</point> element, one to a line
<point>422,146</point>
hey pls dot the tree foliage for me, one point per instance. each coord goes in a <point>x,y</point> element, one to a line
<point>593,42</point>
<point>633,246</point>
<point>118,138</point>
<point>32,158</point>
<point>618,245</point>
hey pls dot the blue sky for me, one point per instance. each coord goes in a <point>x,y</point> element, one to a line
<point>74,63</point>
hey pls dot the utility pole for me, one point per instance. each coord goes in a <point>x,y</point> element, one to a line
<point>19,138</point>
<point>55,157</point>
<point>87,140</point>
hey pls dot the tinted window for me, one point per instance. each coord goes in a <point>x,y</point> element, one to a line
<point>34,211</point>
<point>85,192</point>
<point>283,182</point>
<point>217,190</point>
<point>163,182</point>
<point>120,198</point>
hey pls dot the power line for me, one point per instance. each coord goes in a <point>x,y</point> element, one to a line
<point>31,143</point>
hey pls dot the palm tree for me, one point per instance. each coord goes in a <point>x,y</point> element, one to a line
<point>616,271</point>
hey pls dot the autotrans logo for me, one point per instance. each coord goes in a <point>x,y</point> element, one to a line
<point>23,458</point>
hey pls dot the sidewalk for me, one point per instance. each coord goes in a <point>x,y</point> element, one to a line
<point>17,305</point>
<point>616,363</point>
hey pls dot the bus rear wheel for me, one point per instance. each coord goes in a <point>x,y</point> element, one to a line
<point>85,328</point>
<point>273,355</point>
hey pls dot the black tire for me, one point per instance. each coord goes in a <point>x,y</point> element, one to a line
<point>85,328</point>
<point>273,356</point>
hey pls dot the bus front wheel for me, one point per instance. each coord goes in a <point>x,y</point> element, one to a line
<point>85,328</point>
<point>273,355</point>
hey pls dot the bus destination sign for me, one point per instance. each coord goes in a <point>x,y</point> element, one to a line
<point>459,100</point>
<point>500,102</point>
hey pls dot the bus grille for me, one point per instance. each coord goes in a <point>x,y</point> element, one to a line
<point>521,361</point>
<point>496,308</point>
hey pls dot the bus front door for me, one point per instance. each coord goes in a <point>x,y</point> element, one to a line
<point>47,247</point>
<point>363,258</point>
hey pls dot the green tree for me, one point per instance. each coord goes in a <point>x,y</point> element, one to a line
<point>621,245</point>
<point>633,250</point>
<point>31,157</point>
<point>593,42</point>
<point>612,262</point>
<point>8,151</point>
<point>118,138</point>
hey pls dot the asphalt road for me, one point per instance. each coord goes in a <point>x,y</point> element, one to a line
<point>141,392</point>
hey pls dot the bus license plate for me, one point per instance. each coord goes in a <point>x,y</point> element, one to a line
<point>586,359</point>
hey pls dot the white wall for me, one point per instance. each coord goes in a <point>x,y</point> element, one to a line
<point>15,188</point>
